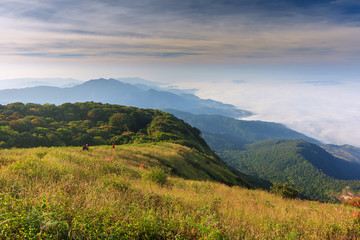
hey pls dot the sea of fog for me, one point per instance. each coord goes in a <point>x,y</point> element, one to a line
<point>327,111</point>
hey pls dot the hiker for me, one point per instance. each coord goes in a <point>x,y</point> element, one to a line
<point>113,145</point>
<point>86,147</point>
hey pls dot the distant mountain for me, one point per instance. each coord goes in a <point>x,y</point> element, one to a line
<point>115,92</point>
<point>317,174</point>
<point>346,152</point>
<point>146,85</point>
<point>225,133</point>
<point>249,146</point>
<point>34,82</point>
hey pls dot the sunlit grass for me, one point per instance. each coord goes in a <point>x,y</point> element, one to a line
<point>107,193</point>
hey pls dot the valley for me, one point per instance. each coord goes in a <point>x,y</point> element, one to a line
<point>170,173</point>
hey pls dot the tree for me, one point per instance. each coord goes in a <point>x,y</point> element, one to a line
<point>119,121</point>
<point>25,139</point>
<point>285,190</point>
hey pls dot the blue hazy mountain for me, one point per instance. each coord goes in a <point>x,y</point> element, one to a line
<point>33,82</point>
<point>116,92</point>
<point>147,94</point>
<point>223,132</point>
<point>346,152</point>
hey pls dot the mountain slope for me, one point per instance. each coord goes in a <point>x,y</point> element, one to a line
<point>33,125</point>
<point>222,132</point>
<point>317,174</point>
<point>115,92</point>
<point>121,193</point>
<point>34,82</point>
<point>346,152</point>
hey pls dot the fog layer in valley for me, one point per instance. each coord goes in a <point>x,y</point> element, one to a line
<point>328,111</point>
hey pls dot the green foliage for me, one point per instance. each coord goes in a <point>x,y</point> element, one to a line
<point>284,190</point>
<point>76,124</point>
<point>66,193</point>
<point>156,175</point>
<point>119,120</point>
<point>293,161</point>
<point>225,133</point>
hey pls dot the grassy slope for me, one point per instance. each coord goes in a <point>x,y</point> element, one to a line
<point>106,193</point>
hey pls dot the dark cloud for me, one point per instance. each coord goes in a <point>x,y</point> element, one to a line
<point>248,30</point>
<point>275,10</point>
<point>136,13</point>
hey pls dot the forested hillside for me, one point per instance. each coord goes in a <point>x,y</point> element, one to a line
<point>346,152</point>
<point>317,174</point>
<point>32,125</point>
<point>222,132</point>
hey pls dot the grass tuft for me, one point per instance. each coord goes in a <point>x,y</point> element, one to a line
<point>67,193</point>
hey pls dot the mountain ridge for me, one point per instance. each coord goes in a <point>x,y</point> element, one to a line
<point>35,125</point>
<point>317,174</point>
<point>115,92</point>
<point>237,132</point>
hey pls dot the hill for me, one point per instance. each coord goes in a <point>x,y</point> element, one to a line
<point>222,132</point>
<point>317,174</point>
<point>32,125</point>
<point>235,140</point>
<point>115,92</point>
<point>346,152</point>
<point>126,193</point>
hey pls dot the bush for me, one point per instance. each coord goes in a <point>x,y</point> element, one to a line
<point>284,190</point>
<point>156,175</point>
<point>3,144</point>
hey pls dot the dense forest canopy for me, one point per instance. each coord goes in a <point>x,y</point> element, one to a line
<point>314,172</point>
<point>75,124</point>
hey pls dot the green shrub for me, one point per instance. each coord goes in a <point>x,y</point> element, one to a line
<point>285,190</point>
<point>156,175</point>
<point>3,144</point>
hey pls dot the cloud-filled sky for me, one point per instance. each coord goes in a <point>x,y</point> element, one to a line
<point>104,34</point>
<point>207,42</point>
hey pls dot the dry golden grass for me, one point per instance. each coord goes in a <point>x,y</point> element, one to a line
<point>77,185</point>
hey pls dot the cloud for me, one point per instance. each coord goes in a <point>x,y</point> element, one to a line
<point>326,112</point>
<point>314,44</point>
<point>162,33</point>
<point>238,81</point>
<point>240,31</point>
<point>320,83</point>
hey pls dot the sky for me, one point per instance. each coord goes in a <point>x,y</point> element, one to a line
<point>291,61</point>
